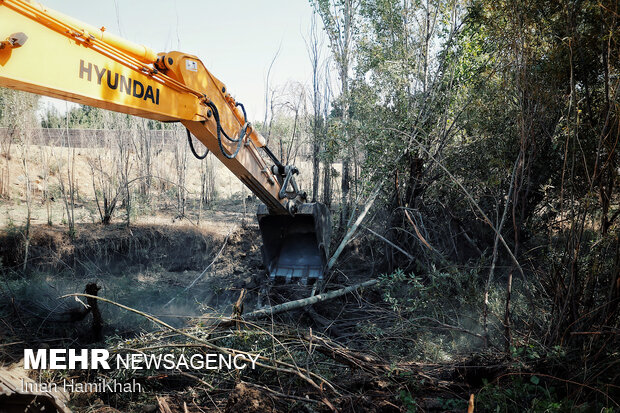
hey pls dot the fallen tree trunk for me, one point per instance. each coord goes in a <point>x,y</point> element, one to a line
<point>292,305</point>
<point>353,227</point>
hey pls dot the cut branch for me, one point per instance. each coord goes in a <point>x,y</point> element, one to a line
<point>353,228</point>
<point>292,305</point>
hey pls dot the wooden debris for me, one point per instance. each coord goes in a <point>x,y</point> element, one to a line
<point>292,305</point>
<point>238,305</point>
<point>164,407</point>
<point>470,407</point>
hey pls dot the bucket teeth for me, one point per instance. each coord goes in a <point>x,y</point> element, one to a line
<point>296,247</point>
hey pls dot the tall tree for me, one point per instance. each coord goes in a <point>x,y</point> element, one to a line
<point>340,21</point>
<point>314,45</point>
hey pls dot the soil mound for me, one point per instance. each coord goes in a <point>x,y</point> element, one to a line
<point>111,248</point>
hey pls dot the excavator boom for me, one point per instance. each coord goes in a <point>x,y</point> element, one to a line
<point>46,52</point>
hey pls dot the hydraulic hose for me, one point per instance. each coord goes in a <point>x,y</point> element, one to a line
<point>245,115</point>
<point>191,146</point>
<point>221,132</point>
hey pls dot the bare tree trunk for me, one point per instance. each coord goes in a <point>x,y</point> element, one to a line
<point>124,170</point>
<point>267,91</point>
<point>345,178</point>
<point>72,188</point>
<point>207,185</point>
<point>314,52</point>
<point>316,173</point>
<point>292,305</point>
<point>344,190</point>
<point>180,163</point>
<point>271,112</point>
<point>327,184</point>
<point>5,154</point>
<point>487,286</point>
<point>327,158</point>
<point>143,152</point>
<point>339,21</point>
<point>507,331</point>
<point>106,187</point>
<point>45,158</point>
<point>353,228</point>
<point>67,191</point>
<point>26,166</point>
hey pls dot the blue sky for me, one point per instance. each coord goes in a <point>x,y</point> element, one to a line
<point>236,39</point>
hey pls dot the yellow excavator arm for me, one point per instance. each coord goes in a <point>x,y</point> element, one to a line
<point>46,52</point>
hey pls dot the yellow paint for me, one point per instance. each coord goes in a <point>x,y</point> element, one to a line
<point>140,52</point>
<point>49,64</point>
<point>71,60</point>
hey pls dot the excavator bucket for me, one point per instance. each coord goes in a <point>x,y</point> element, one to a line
<point>296,247</point>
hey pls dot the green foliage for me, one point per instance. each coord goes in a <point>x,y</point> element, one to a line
<point>17,110</point>
<point>140,206</point>
<point>525,353</point>
<point>88,117</point>
<point>83,117</point>
<point>393,286</point>
<point>453,404</point>
<point>530,393</point>
<point>410,293</point>
<point>408,401</point>
<point>432,310</point>
<point>11,229</point>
